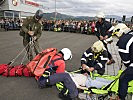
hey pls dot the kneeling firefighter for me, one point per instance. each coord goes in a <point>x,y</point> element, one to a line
<point>60,76</point>
<point>94,58</point>
<point>125,49</point>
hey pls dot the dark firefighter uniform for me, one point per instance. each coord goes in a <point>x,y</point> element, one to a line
<point>103,29</point>
<point>95,60</point>
<point>31,24</point>
<point>125,48</point>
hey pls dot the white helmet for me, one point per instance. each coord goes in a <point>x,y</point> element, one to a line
<point>66,53</point>
<point>100,15</point>
<point>97,46</point>
<point>120,29</point>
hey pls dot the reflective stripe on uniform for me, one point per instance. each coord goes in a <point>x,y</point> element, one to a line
<point>126,62</point>
<point>100,65</point>
<point>131,33</point>
<point>87,55</point>
<point>83,59</point>
<point>127,46</point>
<point>102,58</point>
<point>131,65</point>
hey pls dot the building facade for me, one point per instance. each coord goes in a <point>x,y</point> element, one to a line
<point>18,8</point>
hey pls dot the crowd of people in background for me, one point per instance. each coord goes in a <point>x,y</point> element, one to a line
<point>84,27</point>
<point>10,24</point>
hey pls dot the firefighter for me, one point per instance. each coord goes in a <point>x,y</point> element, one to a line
<point>58,74</point>
<point>125,49</point>
<point>95,58</point>
<point>103,31</point>
<point>57,64</point>
<point>31,30</point>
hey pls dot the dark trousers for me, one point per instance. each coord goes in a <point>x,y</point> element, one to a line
<point>61,77</point>
<point>109,54</point>
<point>29,47</point>
<point>125,77</point>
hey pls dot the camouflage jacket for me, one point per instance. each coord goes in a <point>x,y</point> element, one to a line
<point>30,24</point>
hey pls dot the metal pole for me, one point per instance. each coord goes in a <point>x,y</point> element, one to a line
<point>55,10</point>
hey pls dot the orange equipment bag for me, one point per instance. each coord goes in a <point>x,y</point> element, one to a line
<point>41,61</point>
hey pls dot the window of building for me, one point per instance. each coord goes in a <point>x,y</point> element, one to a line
<point>8,14</point>
<point>16,14</point>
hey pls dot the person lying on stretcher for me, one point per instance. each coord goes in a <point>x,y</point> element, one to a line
<point>84,81</point>
<point>72,82</point>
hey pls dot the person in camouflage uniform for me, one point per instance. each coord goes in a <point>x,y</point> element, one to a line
<point>31,30</point>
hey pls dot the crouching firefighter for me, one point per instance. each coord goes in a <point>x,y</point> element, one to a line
<point>94,58</point>
<point>125,49</point>
<point>57,74</point>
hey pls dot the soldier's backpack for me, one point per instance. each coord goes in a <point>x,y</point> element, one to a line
<point>41,61</point>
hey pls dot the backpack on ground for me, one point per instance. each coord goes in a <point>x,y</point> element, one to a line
<point>40,62</point>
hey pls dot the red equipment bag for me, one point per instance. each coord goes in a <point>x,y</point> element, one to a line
<point>20,70</point>
<point>38,65</point>
<point>3,67</point>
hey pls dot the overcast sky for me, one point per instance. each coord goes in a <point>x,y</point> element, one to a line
<point>89,7</point>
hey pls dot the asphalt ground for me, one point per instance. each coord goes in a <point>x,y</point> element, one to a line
<point>25,88</point>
